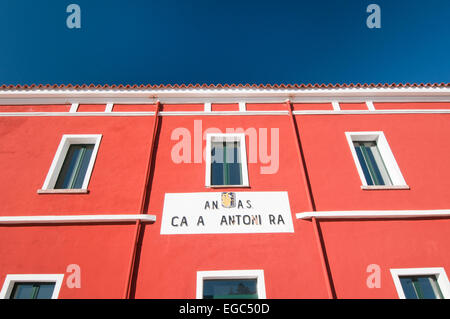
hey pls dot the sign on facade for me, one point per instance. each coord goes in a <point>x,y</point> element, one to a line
<point>226,212</point>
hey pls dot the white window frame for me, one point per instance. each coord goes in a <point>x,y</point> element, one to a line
<point>239,137</point>
<point>10,280</point>
<point>257,274</point>
<point>61,153</point>
<point>398,182</point>
<point>439,272</point>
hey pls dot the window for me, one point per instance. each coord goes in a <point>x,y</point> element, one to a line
<point>75,166</point>
<point>229,289</point>
<point>31,287</point>
<point>421,287</point>
<point>73,163</point>
<point>421,283</point>
<point>371,163</point>
<point>226,160</point>
<point>231,284</point>
<point>32,290</point>
<point>374,160</point>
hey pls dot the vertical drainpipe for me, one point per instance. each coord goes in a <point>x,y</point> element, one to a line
<point>145,193</point>
<point>312,207</point>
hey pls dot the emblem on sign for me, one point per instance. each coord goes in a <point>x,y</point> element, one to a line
<point>228,200</point>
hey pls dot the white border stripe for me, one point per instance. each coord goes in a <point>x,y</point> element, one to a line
<point>336,106</point>
<point>73,107</point>
<point>77,114</point>
<point>361,214</point>
<point>76,219</point>
<point>370,106</point>
<point>226,113</point>
<point>109,107</point>
<point>410,111</point>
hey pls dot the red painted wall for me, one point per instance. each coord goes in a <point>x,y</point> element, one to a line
<point>29,145</point>
<point>167,264</point>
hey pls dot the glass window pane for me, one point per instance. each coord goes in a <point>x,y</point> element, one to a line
<point>226,167</point>
<point>380,164</point>
<point>421,287</point>
<point>362,162</point>
<point>29,290</point>
<point>83,166</point>
<point>229,289</point>
<point>22,291</point>
<point>75,166</point>
<point>372,163</point>
<point>408,288</point>
<point>217,163</point>
<point>45,291</point>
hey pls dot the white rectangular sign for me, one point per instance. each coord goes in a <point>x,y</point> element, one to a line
<point>226,213</point>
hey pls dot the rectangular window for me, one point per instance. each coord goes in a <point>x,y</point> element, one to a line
<point>421,283</point>
<point>72,164</point>
<point>371,163</point>
<point>231,284</point>
<point>226,168</point>
<point>226,162</point>
<point>35,290</point>
<point>75,166</point>
<point>46,286</point>
<point>421,287</point>
<point>375,162</point>
<point>229,289</point>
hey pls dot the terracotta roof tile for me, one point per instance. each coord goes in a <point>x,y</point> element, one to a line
<point>5,87</point>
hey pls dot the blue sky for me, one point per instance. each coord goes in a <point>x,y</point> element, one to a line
<point>232,41</point>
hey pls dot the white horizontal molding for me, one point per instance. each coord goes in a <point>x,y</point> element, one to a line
<point>215,113</point>
<point>405,111</point>
<point>163,113</point>
<point>218,113</point>
<point>7,114</point>
<point>76,219</point>
<point>374,214</point>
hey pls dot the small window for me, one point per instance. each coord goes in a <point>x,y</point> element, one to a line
<point>73,163</point>
<point>32,290</point>
<point>226,163</point>
<point>229,289</point>
<point>231,284</point>
<point>372,163</point>
<point>374,160</point>
<point>46,286</point>
<point>421,283</point>
<point>421,287</point>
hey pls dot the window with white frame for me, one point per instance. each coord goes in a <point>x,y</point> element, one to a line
<point>421,283</point>
<point>226,160</point>
<point>231,284</point>
<point>73,162</point>
<point>32,286</point>
<point>374,160</point>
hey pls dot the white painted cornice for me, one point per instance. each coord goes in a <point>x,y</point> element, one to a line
<point>223,95</point>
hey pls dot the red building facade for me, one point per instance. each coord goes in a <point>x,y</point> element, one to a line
<point>337,191</point>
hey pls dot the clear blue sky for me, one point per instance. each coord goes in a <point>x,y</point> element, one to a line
<point>228,41</point>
